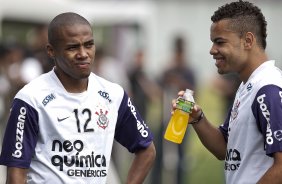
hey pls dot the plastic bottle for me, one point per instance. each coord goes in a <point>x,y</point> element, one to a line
<point>179,120</point>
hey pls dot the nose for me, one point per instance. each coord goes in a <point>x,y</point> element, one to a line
<point>213,50</point>
<point>82,53</point>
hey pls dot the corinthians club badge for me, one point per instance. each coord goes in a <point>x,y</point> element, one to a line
<point>103,120</point>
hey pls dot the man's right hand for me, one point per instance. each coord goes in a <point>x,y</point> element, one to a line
<point>196,111</point>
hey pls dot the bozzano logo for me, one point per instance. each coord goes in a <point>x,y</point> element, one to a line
<point>266,114</point>
<point>20,133</point>
<point>140,126</point>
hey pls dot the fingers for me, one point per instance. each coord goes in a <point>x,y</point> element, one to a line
<point>196,108</point>
<point>173,102</point>
<point>181,93</point>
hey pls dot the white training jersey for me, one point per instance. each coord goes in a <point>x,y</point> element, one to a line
<point>253,129</point>
<point>67,138</point>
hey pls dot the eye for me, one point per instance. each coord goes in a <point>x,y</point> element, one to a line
<point>219,42</point>
<point>89,44</point>
<point>71,48</point>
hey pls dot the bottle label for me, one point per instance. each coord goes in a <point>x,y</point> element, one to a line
<point>184,105</point>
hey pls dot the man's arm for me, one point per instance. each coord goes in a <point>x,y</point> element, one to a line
<point>16,175</point>
<point>211,138</point>
<point>141,165</point>
<point>273,174</point>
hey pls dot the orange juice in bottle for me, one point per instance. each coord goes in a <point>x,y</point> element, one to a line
<point>179,120</point>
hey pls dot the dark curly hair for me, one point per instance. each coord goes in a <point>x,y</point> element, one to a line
<point>245,17</point>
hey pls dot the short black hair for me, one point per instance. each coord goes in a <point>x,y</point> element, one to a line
<point>61,20</point>
<point>245,17</point>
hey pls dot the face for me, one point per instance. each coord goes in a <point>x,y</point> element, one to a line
<point>227,48</point>
<point>74,52</point>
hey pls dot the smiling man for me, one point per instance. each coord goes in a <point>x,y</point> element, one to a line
<point>249,140</point>
<point>62,125</point>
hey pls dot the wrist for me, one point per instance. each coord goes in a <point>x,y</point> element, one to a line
<point>198,119</point>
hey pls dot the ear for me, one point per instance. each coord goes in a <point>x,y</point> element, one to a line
<point>50,51</point>
<point>249,40</point>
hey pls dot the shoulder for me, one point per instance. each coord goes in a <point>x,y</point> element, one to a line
<point>34,88</point>
<point>106,87</point>
<point>269,74</point>
<point>266,76</point>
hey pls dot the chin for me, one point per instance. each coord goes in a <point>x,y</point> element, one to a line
<point>84,75</point>
<point>220,72</point>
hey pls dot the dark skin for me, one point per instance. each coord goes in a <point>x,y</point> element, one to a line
<point>73,55</point>
<point>242,55</point>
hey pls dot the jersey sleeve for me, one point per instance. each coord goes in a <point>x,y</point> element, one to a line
<point>267,110</point>
<point>131,130</point>
<point>224,127</point>
<point>20,136</point>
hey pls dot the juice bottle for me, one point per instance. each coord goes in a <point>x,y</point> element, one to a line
<point>179,120</point>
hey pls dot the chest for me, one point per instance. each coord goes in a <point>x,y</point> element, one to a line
<point>73,115</point>
<point>243,127</point>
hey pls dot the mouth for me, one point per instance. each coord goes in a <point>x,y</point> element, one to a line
<point>83,65</point>
<point>219,62</point>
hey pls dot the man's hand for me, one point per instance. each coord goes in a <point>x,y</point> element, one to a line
<point>196,111</point>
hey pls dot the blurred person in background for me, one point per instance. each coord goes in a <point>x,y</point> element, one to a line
<point>107,66</point>
<point>62,124</point>
<point>179,75</point>
<point>143,89</point>
<point>14,57</point>
<point>37,39</point>
<point>19,68</point>
<point>5,85</point>
<point>146,94</point>
<point>250,138</point>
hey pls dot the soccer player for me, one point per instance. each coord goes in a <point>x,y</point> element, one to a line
<point>250,139</point>
<point>62,124</point>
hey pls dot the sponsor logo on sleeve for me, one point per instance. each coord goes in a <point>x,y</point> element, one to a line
<point>141,126</point>
<point>20,133</point>
<point>278,135</point>
<point>266,114</point>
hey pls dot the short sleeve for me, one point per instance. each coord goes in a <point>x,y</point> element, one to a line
<point>267,110</point>
<point>131,130</point>
<point>20,136</point>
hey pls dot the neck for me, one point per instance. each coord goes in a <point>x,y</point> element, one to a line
<point>72,85</point>
<point>253,63</point>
